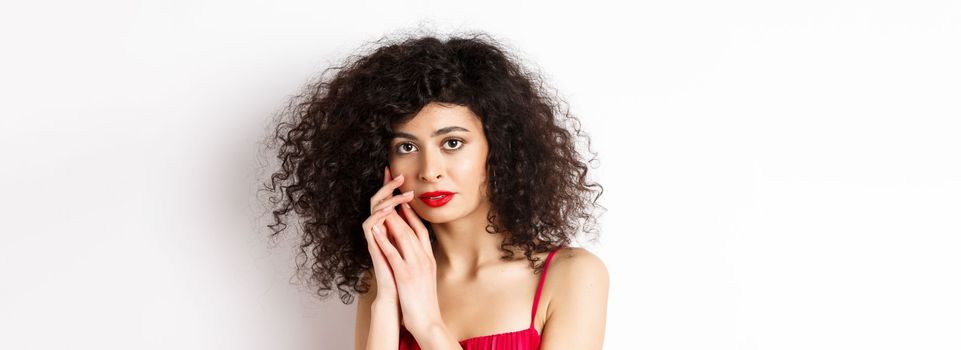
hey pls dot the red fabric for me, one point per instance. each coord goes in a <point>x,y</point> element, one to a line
<point>525,339</point>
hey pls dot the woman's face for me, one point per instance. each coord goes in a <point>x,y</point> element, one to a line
<point>443,148</point>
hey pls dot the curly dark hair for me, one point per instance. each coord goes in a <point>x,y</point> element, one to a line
<point>332,141</point>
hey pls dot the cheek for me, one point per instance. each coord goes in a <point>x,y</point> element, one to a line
<point>472,171</point>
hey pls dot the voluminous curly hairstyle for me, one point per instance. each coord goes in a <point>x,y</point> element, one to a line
<point>332,141</point>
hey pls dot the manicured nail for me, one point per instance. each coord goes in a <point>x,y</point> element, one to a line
<point>409,193</point>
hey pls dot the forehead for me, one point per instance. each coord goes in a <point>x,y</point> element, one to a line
<point>435,116</point>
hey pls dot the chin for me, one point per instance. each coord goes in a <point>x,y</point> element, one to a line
<point>437,215</point>
<point>436,219</point>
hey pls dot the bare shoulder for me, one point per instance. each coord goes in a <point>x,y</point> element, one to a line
<point>576,276</point>
<point>578,284</point>
<point>574,265</point>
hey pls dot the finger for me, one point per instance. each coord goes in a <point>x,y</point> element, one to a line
<point>372,227</point>
<point>404,236</point>
<point>418,226</point>
<point>386,175</point>
<point>395,200</point>
<point>393,256</point>
<point>376,215</point>
<point>375,219</point>
<point>389,208</point>
<point>377,256</point>
<point>421,250</point>
<point>386,191</point>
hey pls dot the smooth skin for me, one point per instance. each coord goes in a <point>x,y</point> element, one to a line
<point>467,291</point>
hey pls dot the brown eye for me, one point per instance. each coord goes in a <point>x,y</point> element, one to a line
<point>400,147</point>
<point>458,142</point>
<point>407,147</point>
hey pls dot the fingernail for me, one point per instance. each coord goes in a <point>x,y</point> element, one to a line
<point>409,193</point>
<point>398,176</point>
<point>376,230</point>
<point>386,209</point>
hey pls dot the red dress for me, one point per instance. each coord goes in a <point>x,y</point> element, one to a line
<point>526,339</point>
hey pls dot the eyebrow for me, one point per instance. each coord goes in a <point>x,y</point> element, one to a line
<point>441,131</point>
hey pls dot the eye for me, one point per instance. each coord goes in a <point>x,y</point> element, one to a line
<point>399,148</point>
<point>407,147</point>
<point>457,141</point>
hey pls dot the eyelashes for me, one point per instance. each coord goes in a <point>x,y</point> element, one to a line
<point>399,148</point>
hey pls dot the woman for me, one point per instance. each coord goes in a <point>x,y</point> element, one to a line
<point>422,170</point>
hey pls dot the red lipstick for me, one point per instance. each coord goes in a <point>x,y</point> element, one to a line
<point>436,198</point>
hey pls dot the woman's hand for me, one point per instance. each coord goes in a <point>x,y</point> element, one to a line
<point>381,207</point>
<point>411,260</point>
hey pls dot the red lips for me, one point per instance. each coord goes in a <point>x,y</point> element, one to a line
<point>439,198</point>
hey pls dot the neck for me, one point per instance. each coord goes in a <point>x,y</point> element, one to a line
<point>464,246</point>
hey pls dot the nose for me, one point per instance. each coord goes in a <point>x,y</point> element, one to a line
<point>430,169</point>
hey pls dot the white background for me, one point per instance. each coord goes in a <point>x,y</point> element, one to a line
<point>778,175</point>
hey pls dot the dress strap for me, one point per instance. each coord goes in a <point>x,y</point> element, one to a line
<point>540,284</point>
